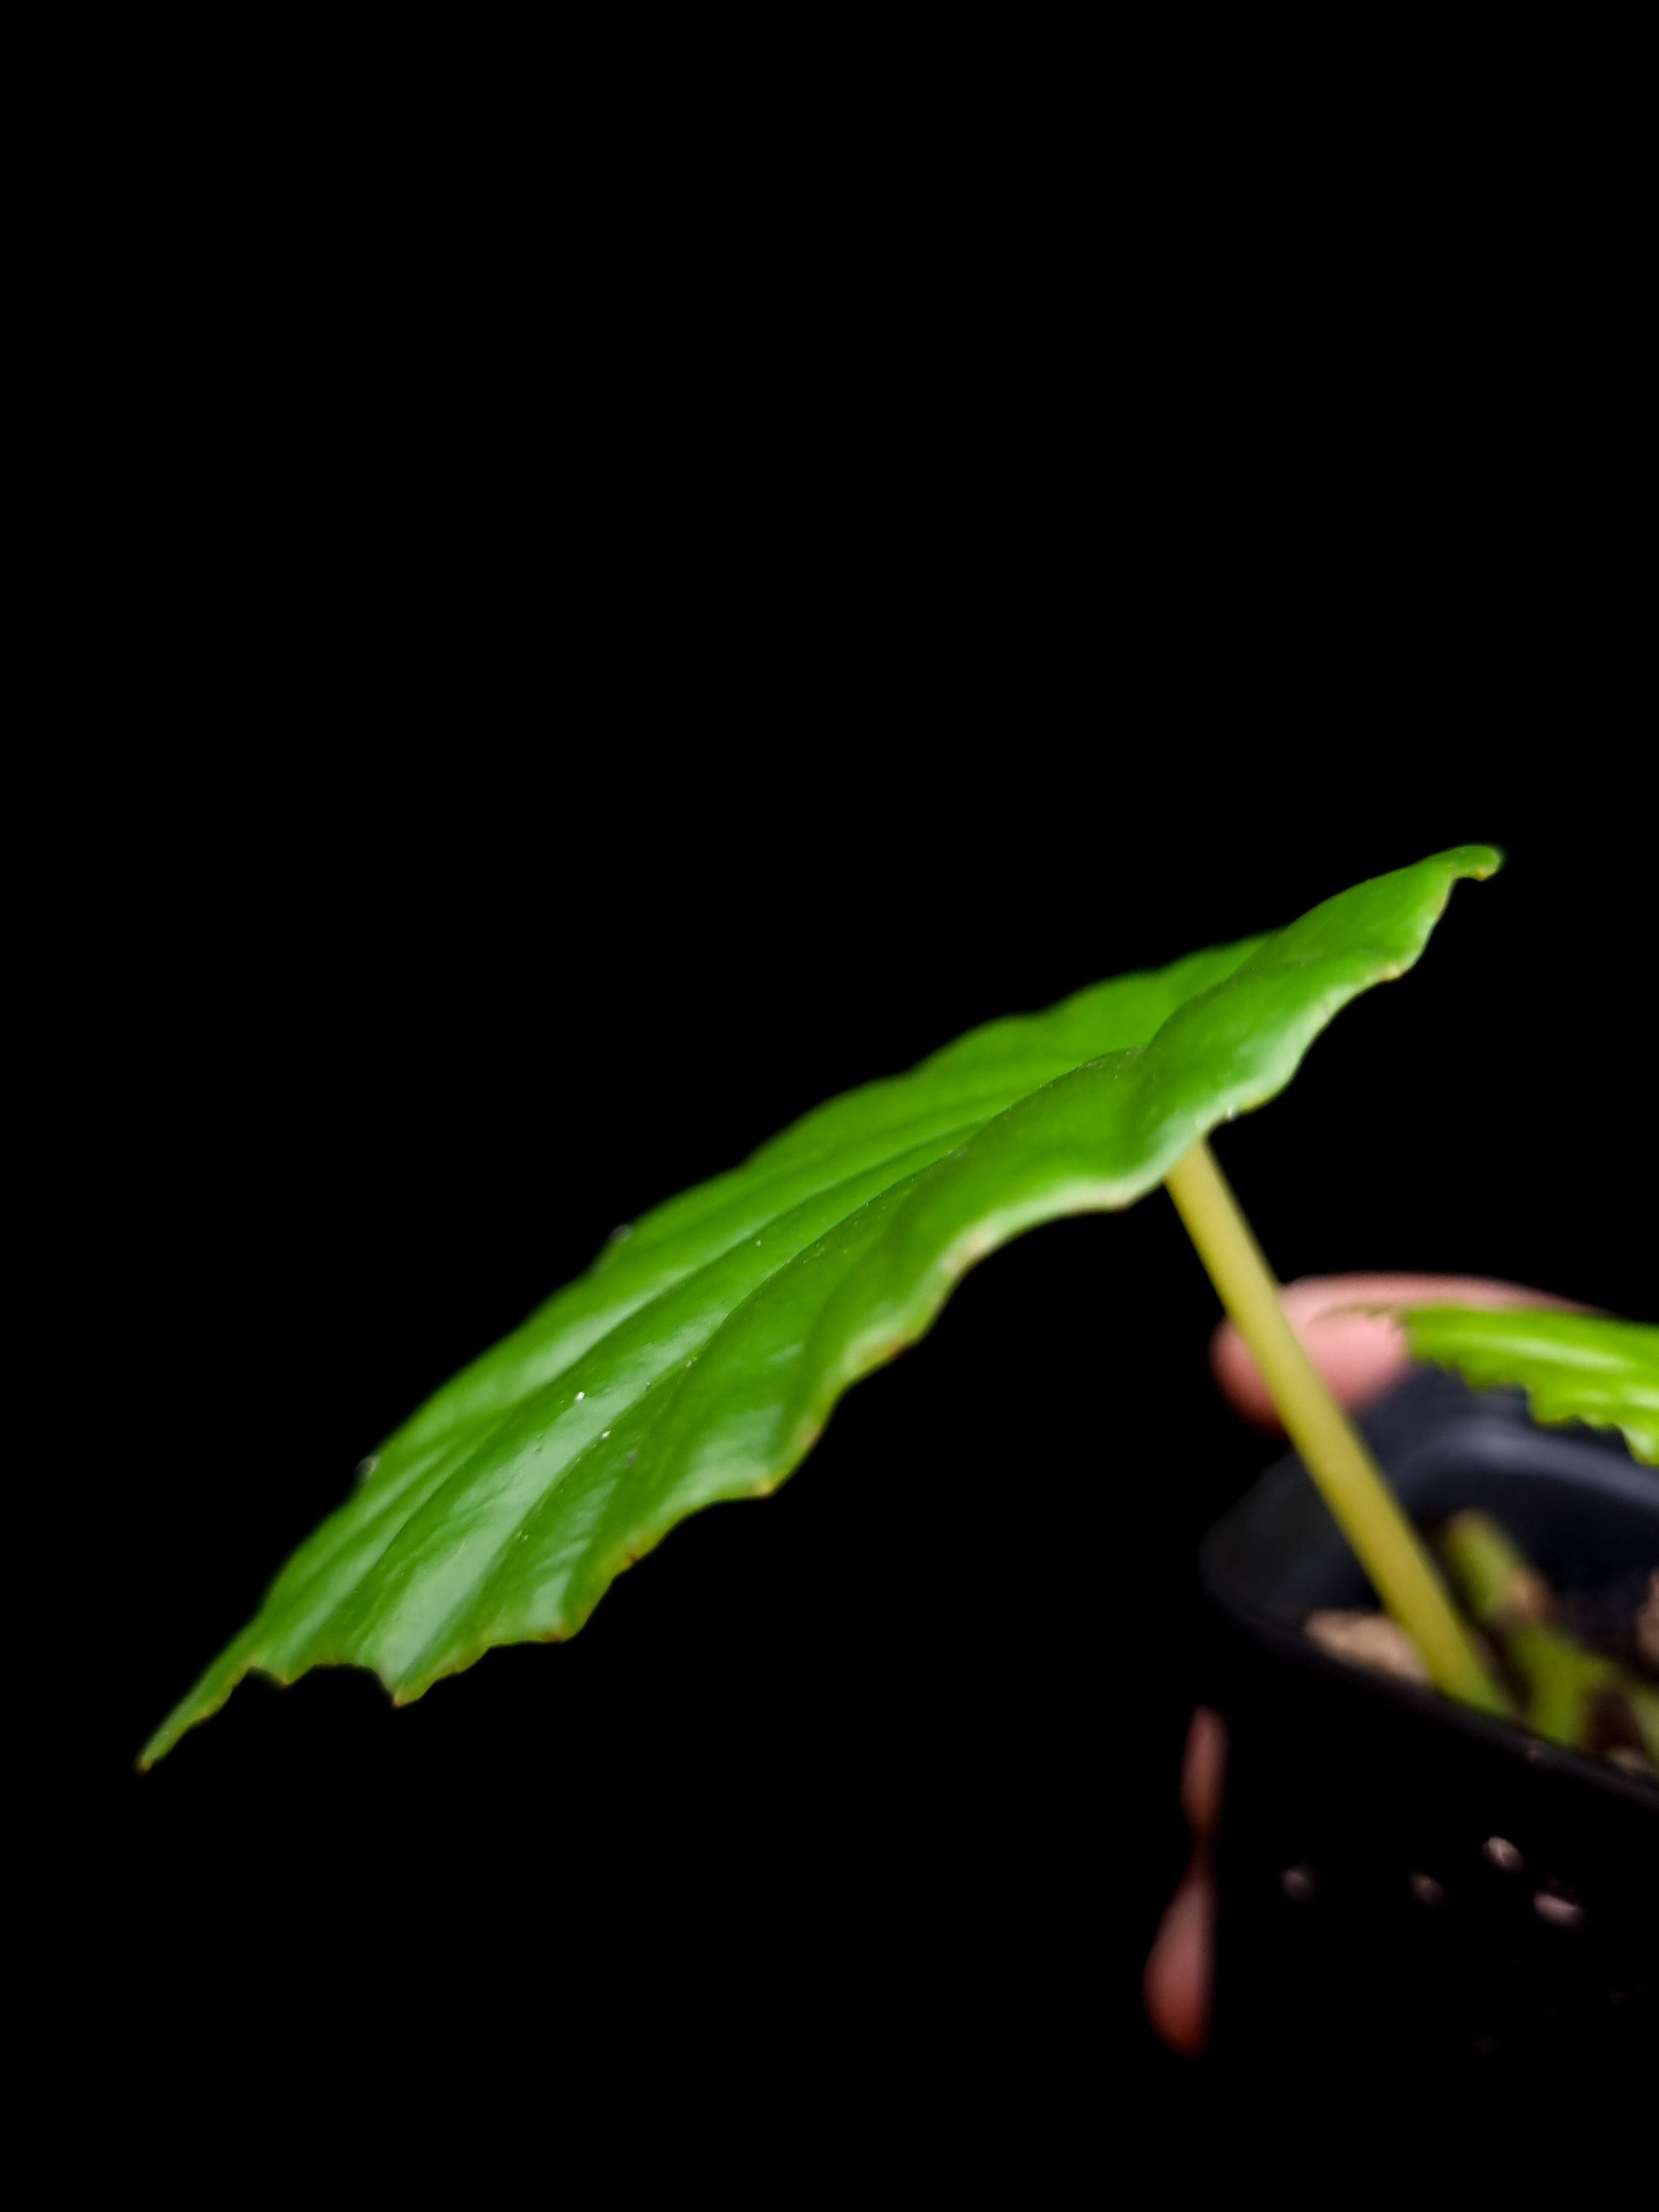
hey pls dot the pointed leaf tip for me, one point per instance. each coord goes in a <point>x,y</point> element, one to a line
<point>1482,862</point>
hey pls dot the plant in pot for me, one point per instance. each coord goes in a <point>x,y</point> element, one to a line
<point>700,1357</point>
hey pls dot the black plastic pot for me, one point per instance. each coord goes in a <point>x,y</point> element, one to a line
<point>1400,1878</point>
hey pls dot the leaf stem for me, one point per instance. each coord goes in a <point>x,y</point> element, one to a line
<point>1366,1510</point>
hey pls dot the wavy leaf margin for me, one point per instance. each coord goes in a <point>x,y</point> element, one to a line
<point>1572,1366</point>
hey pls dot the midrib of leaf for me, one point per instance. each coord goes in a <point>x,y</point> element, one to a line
<point>956,1082</point>
<point>404,1507</point>
<point>464,1524</point>
<point>941,1096</point>
<point>565,1328</point>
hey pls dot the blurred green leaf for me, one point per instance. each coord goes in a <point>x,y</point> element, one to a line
<point>1572,1366</point>
<point>701,1355</point>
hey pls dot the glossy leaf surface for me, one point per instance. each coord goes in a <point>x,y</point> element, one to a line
<point>1573,1366</point>
<point>701,1355</point>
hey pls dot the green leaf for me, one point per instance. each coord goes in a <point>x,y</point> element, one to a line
<point>701,1355</point>
<point>1573,1366</point>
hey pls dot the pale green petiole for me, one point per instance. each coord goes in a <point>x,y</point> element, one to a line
<point>1404,1575</point>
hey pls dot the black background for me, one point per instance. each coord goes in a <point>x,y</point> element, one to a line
<point>555,775</point>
